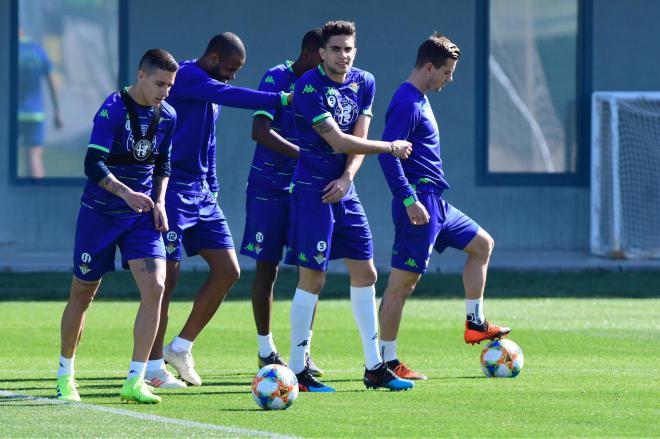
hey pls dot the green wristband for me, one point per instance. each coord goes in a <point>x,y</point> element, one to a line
<point>409,201</point>
<point>284,98</point>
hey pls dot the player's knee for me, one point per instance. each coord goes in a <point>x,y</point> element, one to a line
<point>153,289</point>
<point>365,278</point>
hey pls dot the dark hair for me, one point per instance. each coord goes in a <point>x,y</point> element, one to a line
<point>312,40</point>
<point>225,45</point>
<point>332,28</point>
<point>158,59</point>
<point>437,49</point>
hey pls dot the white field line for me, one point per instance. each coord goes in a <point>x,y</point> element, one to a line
<point>147,417</point>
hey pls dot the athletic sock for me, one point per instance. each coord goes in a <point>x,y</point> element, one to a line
<point>363,303</point>
<point>302,312</point>
<point>154,365</point>
<point>388,350</point>
<point>308,348</point>
<point>266,345</point>
<point>474,308</point>
<point>66,366</point>
<point>136,369</point>
<point>181,344</point>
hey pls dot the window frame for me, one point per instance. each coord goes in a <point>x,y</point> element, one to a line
<point>122,78</point>
<point>580,177</point>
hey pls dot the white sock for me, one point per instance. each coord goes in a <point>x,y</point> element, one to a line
<point>363,303</point>
<point>388,350</point>
<point>266,345</point>
<point>154,365</point>
<point>66,366</point>
<point>309,342</point>
<point>181,344</point>
<point>474,308</point>
<point>136,369</point>
<point>302,311</point>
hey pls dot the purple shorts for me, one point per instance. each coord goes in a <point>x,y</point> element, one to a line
<point>266,224</point>
<point>319,231</point>
<point>195,220</point>
<point>448,227</point>
<point>98,235</point>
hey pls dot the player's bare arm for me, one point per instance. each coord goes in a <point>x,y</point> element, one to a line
<point>336,189</point>
<point>349,144</point>
<point>160,216</point>
<point>262,133</point>
<point>137,201</point>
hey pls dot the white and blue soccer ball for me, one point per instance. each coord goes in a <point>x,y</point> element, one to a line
<point>274,387</point>
<point>502,359</point>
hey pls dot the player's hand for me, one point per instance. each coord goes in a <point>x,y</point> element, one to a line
<point>418,214</point>
<point>401,149</point>
<point>160,217</point>
<point>138,201</point>
<point>336,189</point>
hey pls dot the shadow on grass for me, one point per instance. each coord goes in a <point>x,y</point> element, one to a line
<point>501,284</point>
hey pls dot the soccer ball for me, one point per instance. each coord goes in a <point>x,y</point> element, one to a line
<point>502,359</point>
<point>274,387</point>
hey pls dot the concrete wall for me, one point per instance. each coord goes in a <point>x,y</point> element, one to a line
<point>519,217</point>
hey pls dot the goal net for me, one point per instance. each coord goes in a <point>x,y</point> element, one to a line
<point>625,174</point>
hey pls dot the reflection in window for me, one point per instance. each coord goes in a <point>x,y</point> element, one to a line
<point>67,63</point>
<point>532,86</point>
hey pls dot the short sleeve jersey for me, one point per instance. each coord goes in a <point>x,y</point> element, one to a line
<point>318,97</point>
<point>410,117</point>
<point>271,172</point>
<point>112,134</point>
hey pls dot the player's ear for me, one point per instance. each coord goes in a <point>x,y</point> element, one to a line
<point>322,53</point>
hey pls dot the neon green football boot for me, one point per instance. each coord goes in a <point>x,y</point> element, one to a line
<point>66,389</point>
<point>136,390</point>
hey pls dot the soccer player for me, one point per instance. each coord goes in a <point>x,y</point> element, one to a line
<point>34,65</point>
<point>333,112</point>
<point>267,203</point>
<point>423,219</point>
<point>123,204</point>
<point>196,220</point>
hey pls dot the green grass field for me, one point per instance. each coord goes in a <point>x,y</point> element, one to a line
<point>592,370</point>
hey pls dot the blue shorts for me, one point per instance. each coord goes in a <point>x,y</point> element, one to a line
<point>266,223</point>
<point>320,231</point>
<point>448,227</point>
<point>32,133</point>
<point>98,235</point>
<point>195,219</point>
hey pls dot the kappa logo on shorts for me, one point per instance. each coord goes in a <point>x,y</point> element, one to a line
<point>302,257</point>
<point>249,247</point>
<point>411,263</point>
<point>321,246</point>
<point>259,237</point>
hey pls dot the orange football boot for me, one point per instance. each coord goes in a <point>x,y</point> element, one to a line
<point>474,334</point>
<point>403,371</point>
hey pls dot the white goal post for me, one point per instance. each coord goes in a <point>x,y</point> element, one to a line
<point>625,174</point>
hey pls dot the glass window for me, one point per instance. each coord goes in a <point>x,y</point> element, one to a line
<point>68,62</point>
<point>532,87</point>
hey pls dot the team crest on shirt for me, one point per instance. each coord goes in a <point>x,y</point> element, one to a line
<point>354,86</point>
<point>346,111</point>
<point>142,148</point>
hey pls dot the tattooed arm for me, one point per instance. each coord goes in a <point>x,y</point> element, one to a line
<point>348,144</point>
<point>137,201</point>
